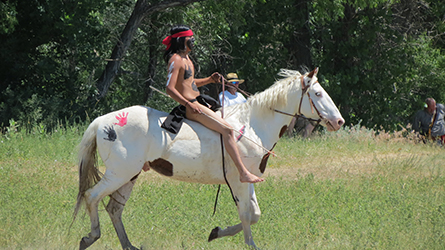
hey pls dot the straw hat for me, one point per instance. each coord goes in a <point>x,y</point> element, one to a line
<point>233,78</point>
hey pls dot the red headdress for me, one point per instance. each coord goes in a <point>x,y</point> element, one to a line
<point>168,40</point>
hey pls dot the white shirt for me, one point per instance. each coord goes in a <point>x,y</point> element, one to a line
<point>230,99</point>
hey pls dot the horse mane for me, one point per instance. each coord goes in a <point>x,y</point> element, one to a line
<point>273,97</point>
<point>276,95</point>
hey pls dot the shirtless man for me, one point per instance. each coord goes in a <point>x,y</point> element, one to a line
<point>183,88</point>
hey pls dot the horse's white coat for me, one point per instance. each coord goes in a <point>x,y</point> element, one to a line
<point>195,152</point>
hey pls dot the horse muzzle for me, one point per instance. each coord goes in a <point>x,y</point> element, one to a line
<point>333,124</point>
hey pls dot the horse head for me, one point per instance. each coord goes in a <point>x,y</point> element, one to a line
<point>316,104</point>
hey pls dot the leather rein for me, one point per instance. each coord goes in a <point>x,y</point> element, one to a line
<point>304,90</point>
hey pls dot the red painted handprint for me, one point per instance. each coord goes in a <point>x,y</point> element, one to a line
<point>122,118</point>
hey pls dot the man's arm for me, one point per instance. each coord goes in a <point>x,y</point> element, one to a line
<point>203,81</point>
<point>215,77</point>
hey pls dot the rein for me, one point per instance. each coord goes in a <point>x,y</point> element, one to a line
<point>223,159</point>
<point>304,89</point>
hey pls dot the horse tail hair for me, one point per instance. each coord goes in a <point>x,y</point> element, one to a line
<point>89,174</point>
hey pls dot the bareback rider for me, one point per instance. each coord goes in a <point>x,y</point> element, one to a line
<point>183,88</point>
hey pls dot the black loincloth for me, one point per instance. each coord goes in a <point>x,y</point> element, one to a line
<point>174,120</point>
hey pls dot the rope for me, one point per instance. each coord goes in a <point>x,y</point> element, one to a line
<point>157,90</point>
<point>223,158</point>
<point>239,133</point>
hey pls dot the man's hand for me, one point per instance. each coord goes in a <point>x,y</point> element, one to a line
<point>195,108</point>
<point>216,77</point>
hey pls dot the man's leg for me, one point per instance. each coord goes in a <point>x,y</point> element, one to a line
<point>212,121</point>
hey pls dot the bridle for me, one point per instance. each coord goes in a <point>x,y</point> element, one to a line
<point>304,90</point>
<point>297,115</point>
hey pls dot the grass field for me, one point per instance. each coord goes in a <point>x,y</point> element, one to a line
<point>344,190</point>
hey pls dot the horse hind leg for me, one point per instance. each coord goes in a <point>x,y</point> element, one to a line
<point>115,208</point>
<point>92,199</point>
<point>93,196</point>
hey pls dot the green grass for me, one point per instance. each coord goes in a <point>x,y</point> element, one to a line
<point>344,190</point>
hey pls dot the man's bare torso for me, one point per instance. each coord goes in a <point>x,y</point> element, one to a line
<point>186,80</point>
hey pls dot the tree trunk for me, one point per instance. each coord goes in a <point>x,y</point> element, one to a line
<point>299,44</point>
<point>151,75</point>
<point>142,9</point>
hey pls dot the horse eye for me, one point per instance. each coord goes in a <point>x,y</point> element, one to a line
<point>318,94</point>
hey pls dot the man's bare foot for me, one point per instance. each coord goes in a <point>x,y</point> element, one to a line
<point>250,178</point>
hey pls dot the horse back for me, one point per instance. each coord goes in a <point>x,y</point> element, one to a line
<point>133,137</point>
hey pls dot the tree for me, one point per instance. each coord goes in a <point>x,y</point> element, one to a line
<point>367,53</point>
<point>378,59</point>
<point>142,9</point>
<point>46,46</point>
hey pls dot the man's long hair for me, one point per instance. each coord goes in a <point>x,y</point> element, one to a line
<point>177,44</point>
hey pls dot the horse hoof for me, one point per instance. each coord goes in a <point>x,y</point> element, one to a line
<point>214,234</point>
<point>83,245</point>
<point>86,242</point>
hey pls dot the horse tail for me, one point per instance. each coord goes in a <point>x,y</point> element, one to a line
<point>89,174</point>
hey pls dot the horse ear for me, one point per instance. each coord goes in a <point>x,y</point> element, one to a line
<point>313,73</point>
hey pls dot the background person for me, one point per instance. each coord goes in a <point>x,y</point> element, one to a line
<point>231,95</point>
<point>302,126</point>
<point>430,122</point>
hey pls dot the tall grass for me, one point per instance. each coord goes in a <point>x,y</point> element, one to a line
<point>351,189</point>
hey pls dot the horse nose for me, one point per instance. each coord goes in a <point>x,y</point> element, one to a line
<point>340,122</point>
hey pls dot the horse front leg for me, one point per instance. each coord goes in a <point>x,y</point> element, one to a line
<point>249,213</point>
<point>115,208</point>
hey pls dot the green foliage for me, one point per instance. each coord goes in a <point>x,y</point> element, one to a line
<point>8,18</point>
<point>373,65</point>
<point>259,42</point>
<point>378,59</point>
<point>53,45</point>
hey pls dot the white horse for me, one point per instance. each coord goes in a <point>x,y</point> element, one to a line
<point>132,139</point>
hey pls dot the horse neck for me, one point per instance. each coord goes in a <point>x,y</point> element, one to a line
<point>271,125</point>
